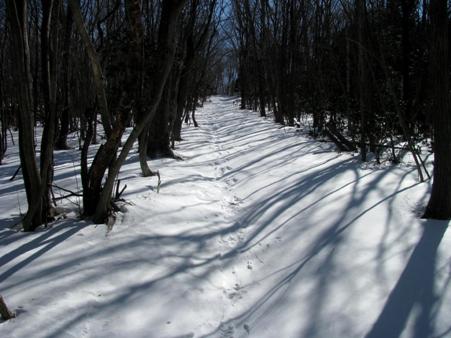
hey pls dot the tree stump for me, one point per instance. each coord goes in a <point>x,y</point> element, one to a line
<point>4,311</point>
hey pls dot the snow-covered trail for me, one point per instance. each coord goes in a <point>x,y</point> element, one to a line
<point>258,232</point>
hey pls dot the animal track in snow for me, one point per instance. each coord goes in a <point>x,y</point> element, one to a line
<point>226,331</point>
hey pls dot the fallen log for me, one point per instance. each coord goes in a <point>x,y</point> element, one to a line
<point>340,141</point>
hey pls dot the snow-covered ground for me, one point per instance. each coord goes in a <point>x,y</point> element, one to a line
<point>259,232</point>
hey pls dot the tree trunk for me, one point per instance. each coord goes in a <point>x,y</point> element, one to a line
<point>17,17</point>
<point>136,31</point>
<point>158,140</point>
<point>439,206</point>
<point>61,142</point>
<point>165,57</point>
<point>363,77</point>
<point>95,66</point>
<point>49,90</point>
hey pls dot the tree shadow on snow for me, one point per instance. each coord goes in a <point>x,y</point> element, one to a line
<point>263,219</point>
<point>414,289</point>
<point>326,246</point>
<point>39,244</point>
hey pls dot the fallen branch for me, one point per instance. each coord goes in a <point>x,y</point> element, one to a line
<point>340,141</point>
<point>71,193</point>
<point>66,196</point>
<point>335,140</point>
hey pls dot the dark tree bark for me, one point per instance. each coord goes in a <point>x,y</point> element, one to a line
<point>20,52</point>
<point>158,139</point>
<point>363,77</point>
<point>136,32</point>
<point>182,84</point>
<point>49,89</point>
<point>61,142</point>
<point>439,206</point>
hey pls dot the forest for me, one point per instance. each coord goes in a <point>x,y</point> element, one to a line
<point>209,135</point>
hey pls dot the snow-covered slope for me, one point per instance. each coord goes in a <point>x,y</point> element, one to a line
<point>259,232</point>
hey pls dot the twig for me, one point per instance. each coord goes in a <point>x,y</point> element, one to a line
<point>15,173</point>
<point>66,196</point>
<point>159,181</point>
<point>116,195</point>
<point>123,189</point>
<point>12,137</point>
<point>72,193</point>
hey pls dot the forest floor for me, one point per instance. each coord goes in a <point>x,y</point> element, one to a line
<point>260,231</point>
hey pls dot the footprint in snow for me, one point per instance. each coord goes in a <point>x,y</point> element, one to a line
<point>226,331</point>
<point>231,181</point>
<point>235,294</point>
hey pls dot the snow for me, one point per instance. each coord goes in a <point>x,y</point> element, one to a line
<point>260,231</point>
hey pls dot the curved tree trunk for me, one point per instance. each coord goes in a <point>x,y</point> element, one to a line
<point>17,17</point>
<point>48,55</point>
